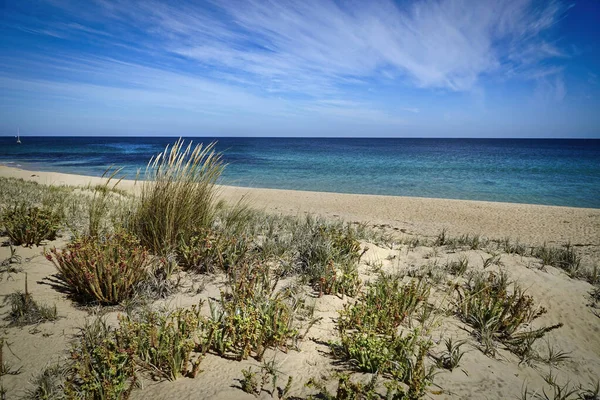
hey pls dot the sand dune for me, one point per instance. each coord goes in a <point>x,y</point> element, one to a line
<point>479,376</point>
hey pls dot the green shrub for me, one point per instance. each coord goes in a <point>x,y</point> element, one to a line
<point>253,317</point>
<point>346,389</point>
<point>104,270</point>
<point>101,367</point>
<point>328,259</point>
<point>30,225</point>
<point>400,357</point>
<point>388,302</point>
<point>177,196</point>
<point>163,341</point>
<point>210,251</point>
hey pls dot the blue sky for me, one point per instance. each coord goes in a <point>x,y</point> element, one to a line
<point>441,68</point>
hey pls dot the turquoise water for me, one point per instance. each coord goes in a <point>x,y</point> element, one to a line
<point>553,172</point>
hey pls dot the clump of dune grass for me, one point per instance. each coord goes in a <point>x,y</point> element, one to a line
<point>24,310</point>
<point>177,197</point>
<point>328,257</point>
<point>102,203</point>
<point>451,356</point>
<point>30,225</point>
<point>498,312</point>
<point>564,258</point>
<point>103,270</point>
<point>5,367</point>
<point>48,384</point>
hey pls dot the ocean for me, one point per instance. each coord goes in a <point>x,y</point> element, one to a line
<point>537,171</point>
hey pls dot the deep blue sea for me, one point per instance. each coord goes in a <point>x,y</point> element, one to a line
<point>553,172</point>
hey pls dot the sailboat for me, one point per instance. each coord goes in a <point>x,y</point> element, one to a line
<point>18,137</point>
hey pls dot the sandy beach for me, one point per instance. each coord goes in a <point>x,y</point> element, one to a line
<point>479,376</point>
<point>530,223</point>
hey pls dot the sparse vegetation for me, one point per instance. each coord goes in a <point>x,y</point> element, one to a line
<point>101,367</point>
<point>564,258</point>
<point>496,313</point>
<point>163,341</point>
<point>26,311</point>
<point>267,267</point>
<point>30,225</point>
<point>5,367</point>
<point>48,385</point>
<point>452,355</point>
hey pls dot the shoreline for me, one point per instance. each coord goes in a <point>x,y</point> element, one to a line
<point>529,223</point>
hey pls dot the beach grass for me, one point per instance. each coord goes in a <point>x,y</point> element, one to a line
<point>177,197</point>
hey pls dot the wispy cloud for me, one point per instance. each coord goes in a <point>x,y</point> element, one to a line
<point>314,45</point>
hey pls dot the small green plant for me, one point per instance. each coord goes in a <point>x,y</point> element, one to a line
<point>270,375</point>
<point>555,356</point>
<point>347,389</point>
<point>48,385</point>
<point>105,270</point>
<point>249,382</point>
<point>451,357</point>
<point>441,239</point>
<point>494,259</point>
<point>209,251</point>
<point>253,317</point>
<point>26,311</point>
<point>164,341</point>
<point>388,302</point>
<point>7,265</point>
<point>29,225</point>
<point>101,366</point>
<point>5,367</point>
<point>458,267</point>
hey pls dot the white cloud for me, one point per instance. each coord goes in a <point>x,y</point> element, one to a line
<point>313,46</point>
<point>413,110</point>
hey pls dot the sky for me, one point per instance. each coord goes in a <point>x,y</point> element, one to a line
<point>425,68</point>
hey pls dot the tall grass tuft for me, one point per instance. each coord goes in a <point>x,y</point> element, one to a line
<point>178,196</point>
